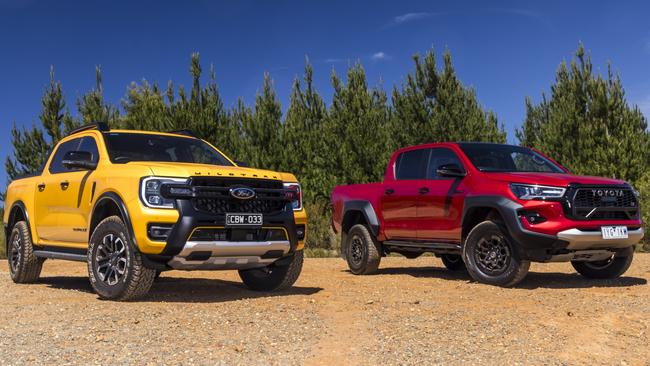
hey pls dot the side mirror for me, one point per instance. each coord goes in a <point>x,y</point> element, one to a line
<point>79,160</point>
<point>451,171</point>
<point>242,164</point>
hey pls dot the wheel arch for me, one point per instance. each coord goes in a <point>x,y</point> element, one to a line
<point>480,208</point>
<point>18,212</point>
<point>359,212</point>
<point>110,204</point>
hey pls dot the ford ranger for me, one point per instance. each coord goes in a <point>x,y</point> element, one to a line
<point>132,204</point>
<point>491,209</point>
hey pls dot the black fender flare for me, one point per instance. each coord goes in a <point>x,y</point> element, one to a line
<point>368,212</point>
<point>366,209</point>
<point>526,241</point>
<point>124,212</point>
<point>18,205</point>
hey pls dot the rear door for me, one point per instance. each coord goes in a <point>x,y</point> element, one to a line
<point>400,197</point>
<point>441,200</point>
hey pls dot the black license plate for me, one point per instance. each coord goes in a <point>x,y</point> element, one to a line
<point>243,219</point>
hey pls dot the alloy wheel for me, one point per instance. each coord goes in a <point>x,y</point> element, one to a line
<point>357,250</point>
<point>111,259</point>
<point>15,254</point>
<point>492,255</point>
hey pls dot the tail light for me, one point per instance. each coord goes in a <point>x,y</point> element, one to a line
<point>293,193</point>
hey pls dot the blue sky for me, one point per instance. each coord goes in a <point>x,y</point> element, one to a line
<point>505,50</point>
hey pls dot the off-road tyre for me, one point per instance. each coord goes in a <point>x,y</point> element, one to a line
<point>453,262</point>
<point>363,251</point>
<point>111,246</point>
<point>491,257</point>
<point>274,277</point>
<point>610,268</point>
<point>24,267</point>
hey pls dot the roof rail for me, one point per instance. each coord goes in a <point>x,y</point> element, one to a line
<point>184,132</point>
<point>99,126</point>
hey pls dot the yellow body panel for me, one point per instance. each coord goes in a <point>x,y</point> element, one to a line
<point>61,217</point>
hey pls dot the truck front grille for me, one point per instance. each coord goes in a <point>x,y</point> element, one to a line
<point>601,203</point>
<point>213,195</point>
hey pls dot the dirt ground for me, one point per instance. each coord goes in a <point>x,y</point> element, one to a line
<point>411,312</point>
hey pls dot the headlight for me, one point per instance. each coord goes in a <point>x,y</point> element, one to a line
<point>294,194</point>
<point>150,192</point>
<point>535,192</point>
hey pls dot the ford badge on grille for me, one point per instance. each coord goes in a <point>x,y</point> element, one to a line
<point>242,193</point>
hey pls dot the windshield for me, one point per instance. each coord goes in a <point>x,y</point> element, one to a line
<point>507,158</point>
<point>126,147</point>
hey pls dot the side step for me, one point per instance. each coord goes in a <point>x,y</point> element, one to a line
<point>60,255</point>
<point>422,246</point>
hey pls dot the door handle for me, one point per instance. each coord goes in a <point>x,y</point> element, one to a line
<point>389,191</point>
<point>65,184</point>
<point>41,187</point>
<point>423,190</point>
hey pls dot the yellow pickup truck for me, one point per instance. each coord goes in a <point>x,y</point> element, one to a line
<point>133,204</point>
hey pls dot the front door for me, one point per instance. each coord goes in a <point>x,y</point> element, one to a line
<point>62,202</point>
<point>441,202</point>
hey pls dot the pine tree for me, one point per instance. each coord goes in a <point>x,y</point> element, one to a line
<point>30,145</point>
<point>91,106</point>
<point>262,133</point>
<point>358,124</point>
<point>587,124</point>
<point>303,136</point>
<point>433,105</point>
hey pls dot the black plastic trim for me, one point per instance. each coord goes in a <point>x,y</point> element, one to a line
<point>190,218</point>
<point>531,245</point>
<point>365,207</point>
<point>115,198</point>
<point>10,223</point>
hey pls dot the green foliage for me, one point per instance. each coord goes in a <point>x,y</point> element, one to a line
<point>587,124</point>
<point>643,185</point>
<point>350,140</point>
<point>3,240</point>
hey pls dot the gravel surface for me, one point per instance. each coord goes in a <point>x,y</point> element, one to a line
<point>412,312</point>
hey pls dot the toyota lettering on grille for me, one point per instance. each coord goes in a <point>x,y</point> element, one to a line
<point>607,192</point>
<point>242,193</point>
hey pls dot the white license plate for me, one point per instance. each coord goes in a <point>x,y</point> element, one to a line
<point>243,219</point>
<point>614,232</point>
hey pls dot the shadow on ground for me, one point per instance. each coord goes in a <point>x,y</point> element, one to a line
<point>532,281</point>
<point>186,290</point>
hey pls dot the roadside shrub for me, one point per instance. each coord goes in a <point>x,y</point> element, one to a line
<point>321,239</point>
<point>643,185</point>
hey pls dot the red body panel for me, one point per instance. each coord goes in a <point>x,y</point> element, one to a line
<point>437,215</point>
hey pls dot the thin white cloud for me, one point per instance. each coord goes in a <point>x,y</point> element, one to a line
<point>378,56</point>
<point>409,17</point>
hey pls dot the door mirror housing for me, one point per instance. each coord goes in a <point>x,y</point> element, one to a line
<point>451,171</point>
<point>79,160</point>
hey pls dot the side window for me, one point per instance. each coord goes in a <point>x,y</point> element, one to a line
<point>441,157</point>
<point>411,164</point>
<point>81,144</point>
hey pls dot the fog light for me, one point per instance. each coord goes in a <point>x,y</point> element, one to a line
<point>300,232</point>
<point>159,232</point>
<point>533,217</point>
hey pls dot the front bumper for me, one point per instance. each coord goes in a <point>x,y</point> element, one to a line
<point>180,252</point>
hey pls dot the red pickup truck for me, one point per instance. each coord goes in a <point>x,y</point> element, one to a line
<point>490,208</point>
